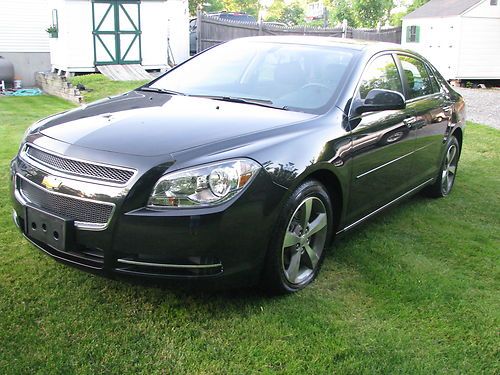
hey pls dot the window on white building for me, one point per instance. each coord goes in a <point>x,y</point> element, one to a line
<point>413,34</point>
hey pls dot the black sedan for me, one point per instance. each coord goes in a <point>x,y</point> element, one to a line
<point>241,164</point>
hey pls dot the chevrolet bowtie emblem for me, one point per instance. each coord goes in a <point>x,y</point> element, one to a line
<point>51,182</point>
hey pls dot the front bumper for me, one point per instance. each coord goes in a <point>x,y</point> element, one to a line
<point>227,242</point>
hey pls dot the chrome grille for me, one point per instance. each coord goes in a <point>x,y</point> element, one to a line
<point>68,207</point>
<point>81,168</point>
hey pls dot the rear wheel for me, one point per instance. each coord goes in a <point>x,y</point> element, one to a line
<point>446,176</point>
<point>301,234</point>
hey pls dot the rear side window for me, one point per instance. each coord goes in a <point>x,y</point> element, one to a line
<point>417,76</point>
<point>382,73</point>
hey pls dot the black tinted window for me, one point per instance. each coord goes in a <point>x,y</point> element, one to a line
<point>382,73</point>
<point>419,83</point>
<point>434,82</point>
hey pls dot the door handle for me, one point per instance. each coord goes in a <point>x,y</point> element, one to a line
<point>410,121</point>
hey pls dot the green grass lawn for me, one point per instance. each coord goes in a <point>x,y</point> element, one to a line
<point>414,291</point>
<point>99,86</point>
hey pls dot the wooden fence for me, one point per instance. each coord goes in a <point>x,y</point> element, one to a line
<point>211,31</point>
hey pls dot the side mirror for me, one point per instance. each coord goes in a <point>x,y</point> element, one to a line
<point>379,100</point>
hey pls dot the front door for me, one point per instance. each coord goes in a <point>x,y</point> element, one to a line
<point>117,32</point>
<point>382,144</point>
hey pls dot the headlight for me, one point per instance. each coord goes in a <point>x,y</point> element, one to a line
<point>203,186</point>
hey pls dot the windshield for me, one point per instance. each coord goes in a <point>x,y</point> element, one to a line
<point>289,76</point>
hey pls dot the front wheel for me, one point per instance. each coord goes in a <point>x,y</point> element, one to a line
<point>446,176</point>
<point>300,236</point>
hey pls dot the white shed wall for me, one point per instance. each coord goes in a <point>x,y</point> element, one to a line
<point>479,56</point>
<point>23,24</point>
<point>439,42</point>
<point>161,20</point>
<point>178,16</point>
<point>79,46</point>
<point>73,50</point>
<point>480,42</point>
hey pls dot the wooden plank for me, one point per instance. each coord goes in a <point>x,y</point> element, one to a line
<point>130,72</point>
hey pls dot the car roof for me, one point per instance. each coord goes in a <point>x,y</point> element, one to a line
<point>355,44</point>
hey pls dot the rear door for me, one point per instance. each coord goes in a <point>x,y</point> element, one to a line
<point>382,144</point>
<point>432,114</point>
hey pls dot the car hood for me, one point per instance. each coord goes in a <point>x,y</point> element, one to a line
<point>151,124</point>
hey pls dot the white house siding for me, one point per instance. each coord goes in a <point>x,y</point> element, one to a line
<point>439,42</point>
<point>23,24</point>
<point>23,40</point>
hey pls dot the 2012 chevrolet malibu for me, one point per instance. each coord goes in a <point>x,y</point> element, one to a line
<point>241,164</point>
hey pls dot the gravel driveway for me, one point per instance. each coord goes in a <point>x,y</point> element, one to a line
<point>482,105</point>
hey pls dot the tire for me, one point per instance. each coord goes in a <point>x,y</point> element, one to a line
<point>448,171</point>
<point>296,253</point>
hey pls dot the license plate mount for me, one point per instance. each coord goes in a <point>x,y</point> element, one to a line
<point>53,230</point>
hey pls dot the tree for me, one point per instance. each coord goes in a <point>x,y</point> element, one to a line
<point>396,19</point>
<point>294,14</point>
<point>247,6</point>
<point>340,10</point>
<point>359,13</point>
<point>416,4</point>
<point>291,14</point>
<point>370,12</point>
<point>208,6</point>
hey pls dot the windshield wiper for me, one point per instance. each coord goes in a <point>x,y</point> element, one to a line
<point>163,91</point>
<point>235,99</point>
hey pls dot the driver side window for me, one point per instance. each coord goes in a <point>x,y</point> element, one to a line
<point>417,76</point>
<point>382,73</point>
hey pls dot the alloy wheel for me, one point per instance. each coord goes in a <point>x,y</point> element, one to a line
<point>304,240</point>
<point>449,169</point>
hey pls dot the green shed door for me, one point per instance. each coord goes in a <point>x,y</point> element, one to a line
<point>117,31</point>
